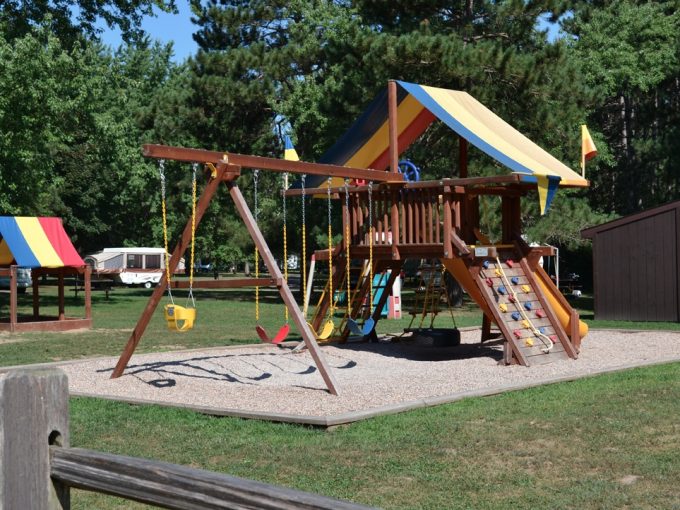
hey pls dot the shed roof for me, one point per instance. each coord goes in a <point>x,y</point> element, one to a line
<point>589,233</point>
<point>36,242</point>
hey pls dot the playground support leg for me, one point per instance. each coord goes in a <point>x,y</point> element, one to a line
<point>286,294</point>
<point>158,292</point>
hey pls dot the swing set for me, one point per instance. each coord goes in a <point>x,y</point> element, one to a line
<point>225,169</point>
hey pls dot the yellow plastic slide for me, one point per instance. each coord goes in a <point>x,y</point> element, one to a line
<point>460,272</point>
<point>556,302</point>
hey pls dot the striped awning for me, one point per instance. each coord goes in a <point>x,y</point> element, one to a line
<point>36,242</point>
<point>365,144</point>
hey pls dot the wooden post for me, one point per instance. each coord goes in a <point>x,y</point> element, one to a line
<point>286,294</point>
<point>143,322</point>
<point>462,157</point>
<point>60,281</point>
<point>395,224</point>
<point>33,415</point>
<point>88,292</point>
<point>393,129</point>
<point>35,280</point>
<point>486,327</point>
<point>574,332</point>
<point>12,299</point>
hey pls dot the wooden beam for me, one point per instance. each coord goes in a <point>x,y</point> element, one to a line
<point>229,283</point>
<point>143,322</point>
<point>392,122</point>
<point>166,485</point>
<point>87,281</point>
<point>286,294</point>
<point>36,294</point>
<point>12,298</point>
<point>264,163</point>
<point>60,291</point>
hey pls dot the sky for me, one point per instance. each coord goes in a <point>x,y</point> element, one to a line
<point>178,29</point>
<point>175,28</point>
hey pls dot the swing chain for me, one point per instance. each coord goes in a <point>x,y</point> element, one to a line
<point>285,239</point>
<point>330,252</point>
<point>370,246</point>
<point>347,243</point>
<point>161,171</point>
<point>304,248</point>
<point>256,174</point>
<point>194,167</point>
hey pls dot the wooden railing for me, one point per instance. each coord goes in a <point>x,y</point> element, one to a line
<point>407,221</point>
<point>37,466</point>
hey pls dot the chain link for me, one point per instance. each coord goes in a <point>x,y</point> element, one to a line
<point>370,246</point>
<point>161,171</point>
<point>304,249</point>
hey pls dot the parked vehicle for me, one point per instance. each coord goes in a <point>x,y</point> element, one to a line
<point>131,266</point>
<point>24,280</point>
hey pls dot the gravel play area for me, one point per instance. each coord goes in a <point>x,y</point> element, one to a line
<point>269,382</point>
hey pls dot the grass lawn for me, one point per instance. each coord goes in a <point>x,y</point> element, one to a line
<point>608,442</point>
<point>611,441</point>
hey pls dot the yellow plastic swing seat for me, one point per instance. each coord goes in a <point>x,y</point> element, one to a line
<point>326,330</point>
<point>180,318</point>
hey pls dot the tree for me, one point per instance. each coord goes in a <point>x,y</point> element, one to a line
<point>73,20</point>
<point>630,55</point>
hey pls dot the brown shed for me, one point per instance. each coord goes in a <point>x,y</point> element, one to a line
<point>635,265</point>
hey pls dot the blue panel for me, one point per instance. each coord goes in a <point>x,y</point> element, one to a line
<point>428,102</point>
<point>23,255</point>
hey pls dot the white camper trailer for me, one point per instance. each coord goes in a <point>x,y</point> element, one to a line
<point>131,266</point>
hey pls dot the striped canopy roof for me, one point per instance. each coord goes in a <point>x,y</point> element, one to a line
<point>365,143</point>
<point>36,242</point>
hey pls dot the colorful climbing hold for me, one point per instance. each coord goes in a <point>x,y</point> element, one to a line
<point>512,299</point>
<point>553,338</point>
<point>517,333</point>
<point>514,280</point>
<point>542,331</point>
<point>503,307</point>
<point>526,324</point>
<point>529,342</point>
<point>489,282</point>
<point>527,305</point>
<point>498,272</point>
<point>510,263</point>
<point>526,289</point>
<point>485,264</point>
<point>540,314</point>
<point>515,316</point>
<point>502,289</point>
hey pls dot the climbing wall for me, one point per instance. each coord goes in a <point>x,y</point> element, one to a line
<point>521,311</point>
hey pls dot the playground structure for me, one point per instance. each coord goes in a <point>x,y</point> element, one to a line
<point>389,220</point>
<point>42,245</point>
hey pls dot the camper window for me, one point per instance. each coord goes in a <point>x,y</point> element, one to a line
<point>153,261</point>
<point>135,261</point>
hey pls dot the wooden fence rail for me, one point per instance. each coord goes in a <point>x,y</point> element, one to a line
<point>37,466</point>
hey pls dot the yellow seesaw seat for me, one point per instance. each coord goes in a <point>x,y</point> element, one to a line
<point>180,318</point>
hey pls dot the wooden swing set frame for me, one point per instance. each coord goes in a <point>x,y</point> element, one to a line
<point>229,166</point>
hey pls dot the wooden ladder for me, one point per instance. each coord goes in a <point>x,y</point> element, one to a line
<point>530,311</point>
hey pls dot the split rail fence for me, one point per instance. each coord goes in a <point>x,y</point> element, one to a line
<point>38,467</point>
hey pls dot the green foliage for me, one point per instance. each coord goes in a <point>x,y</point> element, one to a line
<point>630,54</point>
<point>70,20</point>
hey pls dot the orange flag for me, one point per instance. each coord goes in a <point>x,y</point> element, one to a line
<point>588,149</point>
